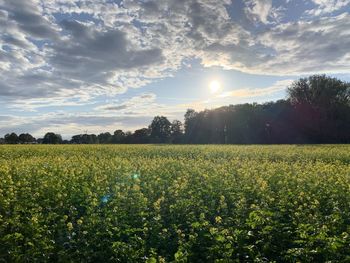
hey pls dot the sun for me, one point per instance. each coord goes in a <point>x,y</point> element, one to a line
<point>214,86</point>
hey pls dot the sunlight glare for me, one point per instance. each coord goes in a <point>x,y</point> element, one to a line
<point>215,86</point>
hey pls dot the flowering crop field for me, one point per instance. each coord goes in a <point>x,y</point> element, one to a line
<point>154,203</point>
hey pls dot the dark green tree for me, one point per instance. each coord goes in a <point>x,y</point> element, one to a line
<point>319,91</point>
<point>128,137</point>
<point>176,128</point>
<point>11,138</point>
<point>26,138</point>
<point>160,129</point>
<point>118,136</point>
<point>141,136</point>
<point>191,123</point>
<point>322,108</point>
<point>52,138</point>
<point>177,135</point>
<point>84,139</point>
<point>105,137</point>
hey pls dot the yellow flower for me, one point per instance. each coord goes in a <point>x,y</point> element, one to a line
<point>218,219</point>
<point>69,226</point>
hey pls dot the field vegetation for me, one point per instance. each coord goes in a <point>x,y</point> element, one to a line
<point>154,203</point>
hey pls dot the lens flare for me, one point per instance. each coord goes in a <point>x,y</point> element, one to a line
<point>215,86</point>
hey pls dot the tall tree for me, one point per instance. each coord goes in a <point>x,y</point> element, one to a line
<point>160,129</point>
<point>141,136</point>
<point>319,91</point>
<point>176,128</point>
<point>176,131</point>
<point>321,106</point>
<point>191,122</point>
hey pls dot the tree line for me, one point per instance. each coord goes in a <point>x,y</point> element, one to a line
<point>316,110</point>
<point>161,130</point>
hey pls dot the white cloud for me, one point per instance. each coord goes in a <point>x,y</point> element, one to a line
<point>327,6</point>
<point>114,47</point>
<point>259,10</point>
<point>249,92</point>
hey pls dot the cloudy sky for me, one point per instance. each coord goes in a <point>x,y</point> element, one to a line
<point>76,66</point>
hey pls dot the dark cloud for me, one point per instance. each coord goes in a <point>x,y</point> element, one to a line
<point>116,108</point>
<point>107,48</point>
<point>82,56</point>
<point>35,85</point>
<point>137,102</point>
<point>89,54</point>
<point>29,19</point>
<point>241,52</point>
<point>316,46</point>
<point>203,22</point>
<point>147,96</point>
<point>13,40</point>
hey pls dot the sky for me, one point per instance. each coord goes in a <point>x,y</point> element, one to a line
<point>91,66</point>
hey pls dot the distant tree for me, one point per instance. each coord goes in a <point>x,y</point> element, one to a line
<point>76,139</point>
<point>84,139</point>
<point>319,91</point>
<point>177,131</point>
<point>90,139</point>
<point>11,138</point>
<point>245,124</point>
<point>105,137</point>
<point>176,128</point>
<point>118,136</point>
<point>26,138</point>
<point>160,129</point>
<point>276,119</point>
<point>191,121</point>
<point>52,138</point>
<point>322,108</point>
<point>2,140</point>
<point>94,138</point>
<point>141,136</point>
<point>128,137</point>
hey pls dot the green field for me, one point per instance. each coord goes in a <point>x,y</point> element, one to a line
<point>175,203</point>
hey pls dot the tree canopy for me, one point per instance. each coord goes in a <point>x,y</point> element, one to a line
<point>52,138</point>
